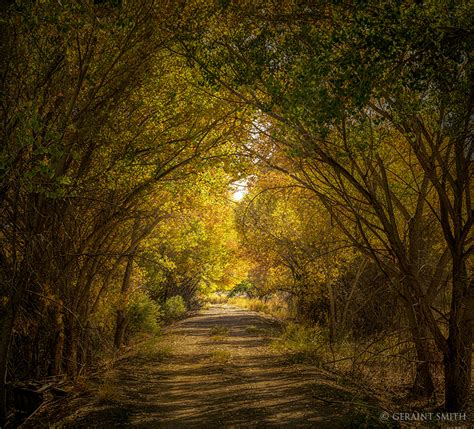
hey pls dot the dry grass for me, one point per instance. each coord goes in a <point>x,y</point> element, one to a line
<point>217,298</point>
<point>218,333</point>
<point>221,356</point>
<point>385,363</point>
<point>274,306</point>
<point>153,347</point>
<point>219,330</point>
<point>110,389</point>
<point>302,343</point>
<point>156,347</point>
<point>261,332</point>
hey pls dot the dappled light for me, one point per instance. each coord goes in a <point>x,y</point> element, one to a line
<point>239,190</point>
<point>236,214</point>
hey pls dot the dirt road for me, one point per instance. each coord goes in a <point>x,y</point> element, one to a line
<point>217,369</point>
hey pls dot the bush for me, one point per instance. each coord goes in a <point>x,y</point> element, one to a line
<point>303,343</point>
<point>217,298</point>
<point>256,304</point>
<point>174,308</point>
<point>275,306</point>
<point>244,288</point>
<point>144,314</point>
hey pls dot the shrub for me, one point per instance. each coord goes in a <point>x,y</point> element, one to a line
<point>219,330</point>
<point>258,305</point>
<point>303,343</point>
<point>144,314</point>
<point>222,357</point>
<point>265,332</point>
<point>217,298</point>
<point>218,333</point>
<point>153,348</point>
<point>244,288</point>
<point>275,306</point>
<point>174,308</point>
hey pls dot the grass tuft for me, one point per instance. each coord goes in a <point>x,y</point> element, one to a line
<point>109,391</point>
<point>274,306</point>
<point>261,332</point>
<point>218,333</point>
<point>220,356</point>
<point>302,343</point>
<point>217,298</point>
<point>219,330</point>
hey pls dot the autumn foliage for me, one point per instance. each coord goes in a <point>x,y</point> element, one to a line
<point>126,124</point>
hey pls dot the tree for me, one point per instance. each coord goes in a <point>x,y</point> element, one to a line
<point>97,118</point>
<point>327,77</point>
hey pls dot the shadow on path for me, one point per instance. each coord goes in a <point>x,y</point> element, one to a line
<point>221,372</point>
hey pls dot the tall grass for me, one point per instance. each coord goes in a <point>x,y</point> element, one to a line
<point>274,306</point>
<point>383,362</point>
<point>174,309</point>
<point>303,343</point>
<point>216,298</point>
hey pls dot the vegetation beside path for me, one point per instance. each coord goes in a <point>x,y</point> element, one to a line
<point>217,368</point>
<point>314,156</point>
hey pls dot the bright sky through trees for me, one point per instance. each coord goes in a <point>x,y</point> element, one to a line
<point>239,189</point>
<point>317,153</point>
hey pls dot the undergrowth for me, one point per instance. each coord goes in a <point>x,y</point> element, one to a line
<point>216,298</point>
<point>302,343</point>
<point>218,333</point>
<point>274,306</point>
<point>382,363</point>
<point>221,356</point>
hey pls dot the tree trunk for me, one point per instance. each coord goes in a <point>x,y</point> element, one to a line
<point>6,328</point>
<point>57,344</point>
<point>70,348</point>
<point>457,372</point>
<point>332,313</point>
<point>119,329</point>
<point>423,385</point>
<point>121,316</point>
<point>458,359</point>
<point>121,323</point>
<point>58,353</point>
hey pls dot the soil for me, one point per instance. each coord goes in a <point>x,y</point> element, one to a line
<point>216,369</point>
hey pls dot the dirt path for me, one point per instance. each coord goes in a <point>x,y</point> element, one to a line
<point>218,369</point>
